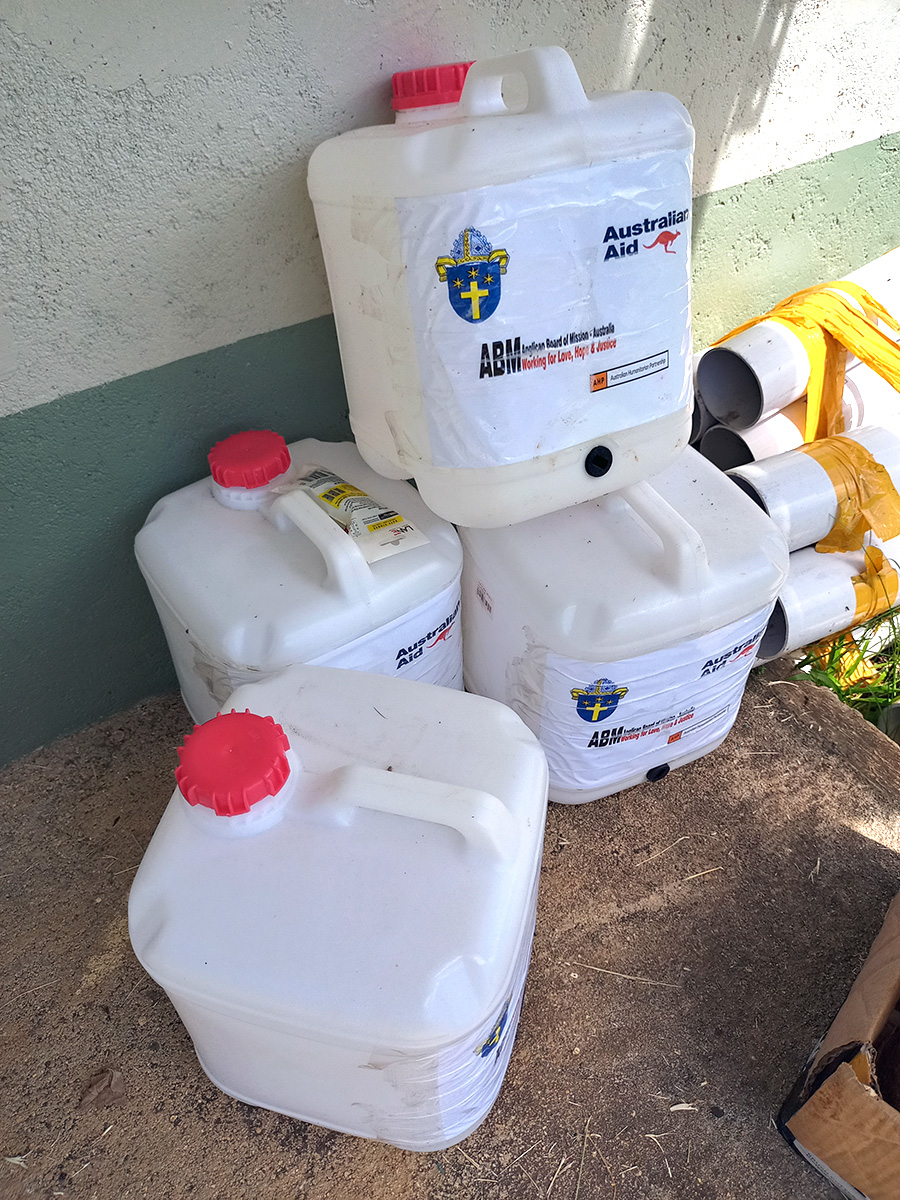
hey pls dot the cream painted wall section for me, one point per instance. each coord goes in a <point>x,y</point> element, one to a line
<point>152,186</point>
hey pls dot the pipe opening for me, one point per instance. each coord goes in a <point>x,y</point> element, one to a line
<point>725,448</point>
<point>730,389</point>
<point>747,487</point>
<point>774,640</point>
<point>696,423</point>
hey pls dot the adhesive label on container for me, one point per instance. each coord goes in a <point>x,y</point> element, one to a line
<point>550,311</point>
<point>453,1088</point>
<point>604,722</point>
<point>379,530</point>
<point>469,1075</point>
<point>425,644</point>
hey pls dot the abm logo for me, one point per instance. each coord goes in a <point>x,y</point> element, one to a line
<point>472,274</point>
<point>599,701</point>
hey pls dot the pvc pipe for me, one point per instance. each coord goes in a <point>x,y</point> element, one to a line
<point>797,492</point>
<point>701,420</point>
<point>881,279</point>
<point>870,400</point>
<point>817,600</point>
<point>753,374</point>
<point>780,432</point>
<point>765,368</point>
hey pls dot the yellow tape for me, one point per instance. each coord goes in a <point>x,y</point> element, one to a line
<point>867,499</point>
<point>849,665</point>
<point>876,588</point>
<point>828,324</point>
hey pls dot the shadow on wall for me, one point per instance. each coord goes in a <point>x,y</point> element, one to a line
<point>719,61</point>
<point>82,636</point>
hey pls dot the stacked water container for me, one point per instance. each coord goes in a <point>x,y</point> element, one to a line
<point>509,266</point>
<point>299,554</point>
<point>511,292</point>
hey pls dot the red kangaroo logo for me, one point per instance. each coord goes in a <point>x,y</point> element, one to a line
<point>746,650</point>
<point>665,239</point>
<point>441,637</point>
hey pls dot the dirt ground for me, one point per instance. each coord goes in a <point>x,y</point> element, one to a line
<point>741,893</point>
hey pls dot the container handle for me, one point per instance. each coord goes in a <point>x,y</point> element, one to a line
<point>685,561</point>
<point>348,571</point>
<point>550,76</point>
<point>485,823</point>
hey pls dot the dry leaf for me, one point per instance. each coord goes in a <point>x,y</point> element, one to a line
<point>107,1088</point>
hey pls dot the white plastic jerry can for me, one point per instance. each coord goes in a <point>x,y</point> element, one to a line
<point>511,285</point>
<point>367,974</point>
<point>622,630</point>
<point>299,553</point>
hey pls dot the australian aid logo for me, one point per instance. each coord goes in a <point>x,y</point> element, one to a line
<point>743,651</point>
<point>624,241</point>
<point>443,633</point>
<point>472,272</point>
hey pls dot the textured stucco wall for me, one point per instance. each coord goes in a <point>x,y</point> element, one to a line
<point>755,243</point>
<point>152,198</point>
<point>161,282</point>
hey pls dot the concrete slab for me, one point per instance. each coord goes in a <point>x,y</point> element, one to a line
<point>695,938</point>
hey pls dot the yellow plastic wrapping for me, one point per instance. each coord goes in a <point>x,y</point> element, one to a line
<point>876,588</point>
<point>867,499</point>
<point>852,666</point>
<point>828,324</point>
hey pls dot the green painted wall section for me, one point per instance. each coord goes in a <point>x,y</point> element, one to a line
<point>759,242</point>
<point>78,476</point>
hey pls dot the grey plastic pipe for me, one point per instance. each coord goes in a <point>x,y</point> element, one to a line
<point>729,448</point>
<point>765,368</point>
<point>817,600</point>
<point>796,491</point>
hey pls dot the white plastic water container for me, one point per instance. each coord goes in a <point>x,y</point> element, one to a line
<point>368,972</point>
<point>511,285</point>
<point>250,574</point>
<point>622,630</point>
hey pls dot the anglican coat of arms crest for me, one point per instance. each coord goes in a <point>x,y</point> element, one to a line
<point>472,273</point>
<point>599,700</point>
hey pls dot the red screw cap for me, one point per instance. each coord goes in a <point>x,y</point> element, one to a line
<point>230,762</point>
<point>250,459</point>
<point>428,86</point>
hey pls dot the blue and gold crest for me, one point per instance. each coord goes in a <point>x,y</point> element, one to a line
<point>472,274</point>
<point>599,701</point>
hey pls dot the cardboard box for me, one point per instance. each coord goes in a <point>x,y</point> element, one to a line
<point>843,1115</point>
